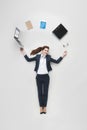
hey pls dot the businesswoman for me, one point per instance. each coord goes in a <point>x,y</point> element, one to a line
<point>42,67</point>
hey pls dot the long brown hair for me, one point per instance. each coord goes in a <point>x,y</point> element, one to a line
<point>37,50</point>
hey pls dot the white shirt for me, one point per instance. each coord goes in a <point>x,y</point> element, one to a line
<point>42,65</point>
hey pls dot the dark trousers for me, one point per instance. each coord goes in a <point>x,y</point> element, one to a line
<point>42,87</point>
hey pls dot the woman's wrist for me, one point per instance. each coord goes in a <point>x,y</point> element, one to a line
<point>24,53</point>
<point>64,54</point>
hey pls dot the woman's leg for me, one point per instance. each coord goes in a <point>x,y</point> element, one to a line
<point>41,110</point>
<point>46,88</point>
<point>39,89</point>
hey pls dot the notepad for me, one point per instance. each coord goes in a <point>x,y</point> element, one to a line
<point>29,25</point>
<point>42,24</point>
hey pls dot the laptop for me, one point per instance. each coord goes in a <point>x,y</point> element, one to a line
<point>16,37</point>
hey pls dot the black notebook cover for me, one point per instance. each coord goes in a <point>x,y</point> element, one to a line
<point>60,31</point>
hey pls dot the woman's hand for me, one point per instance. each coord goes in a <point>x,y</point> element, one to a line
<point>64,54</point>
<point>23,51</point>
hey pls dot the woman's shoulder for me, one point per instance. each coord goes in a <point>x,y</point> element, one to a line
<point>38,55</point>
<point>48,56</point>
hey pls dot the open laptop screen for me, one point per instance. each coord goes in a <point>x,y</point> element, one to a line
<point>16,37</point>
<point>17,32</point>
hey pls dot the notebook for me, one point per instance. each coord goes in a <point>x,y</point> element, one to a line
<point>60,31</point>
<point>29,25</point>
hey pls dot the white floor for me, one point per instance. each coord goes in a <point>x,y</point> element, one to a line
<point>67,104</point>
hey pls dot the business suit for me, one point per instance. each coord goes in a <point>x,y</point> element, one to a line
<point>43,80</point>
<point>48,60</point>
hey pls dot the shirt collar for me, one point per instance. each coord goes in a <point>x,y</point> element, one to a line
<point>43,56</point>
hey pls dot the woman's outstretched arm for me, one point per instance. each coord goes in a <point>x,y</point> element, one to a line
<point>25,55</point>
<point>59,59</point>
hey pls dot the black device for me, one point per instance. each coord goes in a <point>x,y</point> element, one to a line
<point>60,31</point>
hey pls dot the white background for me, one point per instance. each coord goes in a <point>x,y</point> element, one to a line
<point>67,102</point>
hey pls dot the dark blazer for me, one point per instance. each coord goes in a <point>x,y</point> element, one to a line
<point>48,60</point>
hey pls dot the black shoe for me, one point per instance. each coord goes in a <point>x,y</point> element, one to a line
<point>44,112</point>
<point>41,112</point>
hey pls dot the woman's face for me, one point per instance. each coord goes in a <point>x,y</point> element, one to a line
<point>45,51</point>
